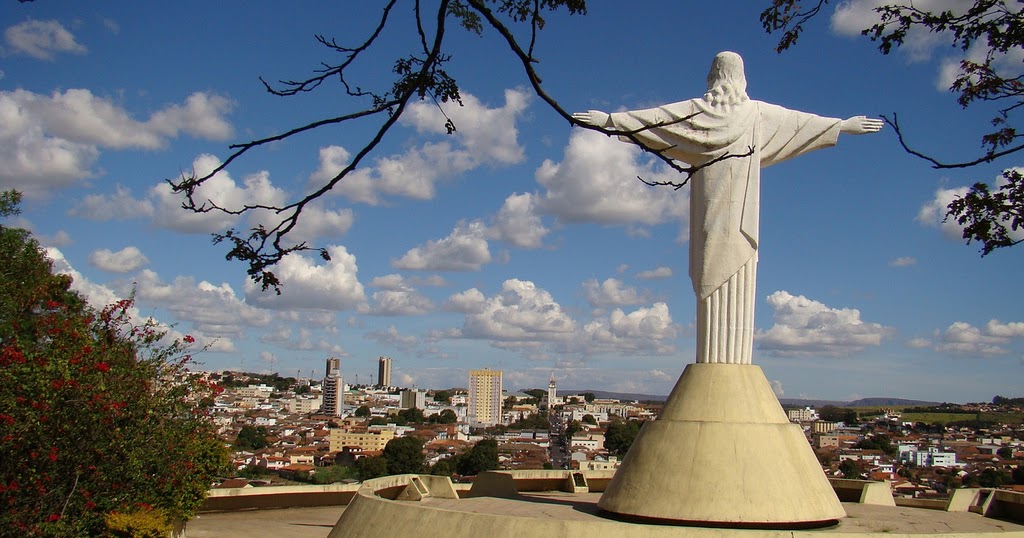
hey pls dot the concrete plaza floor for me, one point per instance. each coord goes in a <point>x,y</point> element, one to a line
<point>318,522</point>
<point>292,522</point>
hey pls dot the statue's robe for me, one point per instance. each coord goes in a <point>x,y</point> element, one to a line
<point>724,199</point>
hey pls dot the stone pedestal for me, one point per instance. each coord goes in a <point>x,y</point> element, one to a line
<point>723,454</point>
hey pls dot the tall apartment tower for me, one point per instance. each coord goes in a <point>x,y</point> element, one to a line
<point>384,372</point>
<point>484,396</point>
<point>333,388</point>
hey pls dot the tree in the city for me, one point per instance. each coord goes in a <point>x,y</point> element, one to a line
<point>404,455</point>
<point>620,436</point>
<point>95,404</point>
<point>482,457</point>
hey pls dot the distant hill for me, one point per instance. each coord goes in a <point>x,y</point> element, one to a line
<point>786,402</point>
<point>625,396</point>
<point>888,402</point>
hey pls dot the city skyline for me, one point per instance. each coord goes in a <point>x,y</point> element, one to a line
<point>517,243</point>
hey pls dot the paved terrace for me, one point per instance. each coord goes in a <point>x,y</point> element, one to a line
<point>318,521</point>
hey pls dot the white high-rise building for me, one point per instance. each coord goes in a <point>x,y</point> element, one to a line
<point>384,372</point>
<point>333,388</point>
<point>484,397</point>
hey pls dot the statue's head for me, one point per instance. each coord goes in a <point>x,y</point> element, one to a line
<point>726,82</point>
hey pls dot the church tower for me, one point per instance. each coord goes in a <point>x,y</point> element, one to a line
<point>551,391</point>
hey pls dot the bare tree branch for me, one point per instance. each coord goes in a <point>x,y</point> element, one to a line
<point>989,157</point>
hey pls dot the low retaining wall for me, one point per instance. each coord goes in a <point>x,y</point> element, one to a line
<point>232,499</point>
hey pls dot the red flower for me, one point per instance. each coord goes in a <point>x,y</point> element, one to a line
<point>53,454</point>
<point>53,517</point>
<point>102,366</point>
<point>189,339</point>
<point>89,505</point>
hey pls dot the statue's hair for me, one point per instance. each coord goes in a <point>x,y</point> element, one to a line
<point>727,85</point>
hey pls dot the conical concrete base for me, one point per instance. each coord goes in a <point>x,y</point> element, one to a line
<point>723,454</point>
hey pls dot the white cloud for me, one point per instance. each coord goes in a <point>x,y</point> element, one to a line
<point>919,343</point>
<point>485,136</point>
<point>804,327</point>
<point>611,292</point>
<point>777,388</point>
<point>933,212</point>
<point>125,260</point>
<point>656,273</point>
<point>118,206</point>
<point>903,261</point>
<point>645,330</point>
<point>222,190</point>
<point>397,298</point>
<point>853,16</point>
<point>49,142</point>
<point>214,310</point>
<point>597,182</point>
<point>963,338</point>
<point>520,313</point>
<point>200,116</point>
<point>1013,329</point>
<point>306,285</point>
<point>42,39</point>
<point>465,249</point>
<point>518,223</point>
<point>392,337</point>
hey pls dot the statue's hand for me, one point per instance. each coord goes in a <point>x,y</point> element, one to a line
<point>584,117</point>
<point>861,125</point>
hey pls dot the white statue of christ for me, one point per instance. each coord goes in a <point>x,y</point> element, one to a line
<point>724,195</point>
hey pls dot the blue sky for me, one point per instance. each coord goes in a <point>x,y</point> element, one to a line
<point>518,243</point>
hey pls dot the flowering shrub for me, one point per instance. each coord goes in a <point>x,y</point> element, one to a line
<point>96,415</point>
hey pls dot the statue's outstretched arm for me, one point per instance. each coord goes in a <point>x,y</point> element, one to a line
<point>861,125</point>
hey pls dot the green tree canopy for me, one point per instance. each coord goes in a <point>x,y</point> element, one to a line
<point>482,457</point>
<point>620,436</point>
<point>362,411</point>
<point>93,405</point>
<point>404,455</point>
<point>251,438</point>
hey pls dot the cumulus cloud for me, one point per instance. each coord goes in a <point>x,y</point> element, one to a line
<point>125,260</point>
<point>645,330</point>
<point>518,223</point>
<point>919,44</point>
<point>222,190</point>
<point>656,273</point>
<point>307,285</point>
<point>99,296</point>
<point>49,142</point>
<point>465,249</point>
<point>392,337</point>
<point>933,212</point>
<point>120,205</point>
<point>963,338</point>
<point>596,182</point>
<point>520,313</point>
<point>484,136</point>
<point>777,388</point>
<point>42,39</point>
<point>212,309</point>
<point>396,298</point>
<point>807,328</point>
<point>611,292</point>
